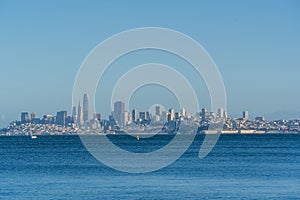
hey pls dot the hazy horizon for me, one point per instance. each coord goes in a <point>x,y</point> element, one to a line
<point>254,44</point>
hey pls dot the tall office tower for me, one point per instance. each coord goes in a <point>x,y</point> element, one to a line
<point>124,119</point>
<point>183,112</point>
<point>61,118</point>
<point>32,115</point>
<point>221,112</point>
<point>204,113</point>
<point>172,114</point>
<point>225,114</point>
<point>246,115</point>
<point>158,111</point>
<point>119,109</point>
<point>86,112</point>
<point>25,117</point>
<point>79,116</point>
<point>74,114</point>
<point>135,115</point>
<point>143,116</point>
<point>148,116</point>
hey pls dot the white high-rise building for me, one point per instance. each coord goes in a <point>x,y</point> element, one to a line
<point>79,116</point>
<point>246,115</point>
<point>171,115</point>
<point>124,119</point>
<point>135,115</point>
<point>86,112</point>
<point>158,111</point>
<point>225,114</point>
<point>74,114</point>
<point>221,113</point>
<point>119,109</point>
<point>183,112</point>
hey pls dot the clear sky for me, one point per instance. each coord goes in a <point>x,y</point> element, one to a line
<point>255,44</point>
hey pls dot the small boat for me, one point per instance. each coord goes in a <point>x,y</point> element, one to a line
<point>137,137</point>
<point>33,137</point>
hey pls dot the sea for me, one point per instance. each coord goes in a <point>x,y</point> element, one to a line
<point>265,166</point>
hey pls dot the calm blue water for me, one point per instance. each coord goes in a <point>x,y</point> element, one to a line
<point>240,166</point>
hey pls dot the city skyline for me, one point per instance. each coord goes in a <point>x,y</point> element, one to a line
<point>150,99</point>
<point>158,118</point>
<point>39,64</point>
<point>119,110</point>
<point>81,116</point>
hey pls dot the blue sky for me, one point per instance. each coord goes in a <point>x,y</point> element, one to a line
<point>255,45</point>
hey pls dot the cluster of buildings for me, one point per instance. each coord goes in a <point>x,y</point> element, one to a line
<point>245,125</point>
<point>120,120</point>
<point>142,121</point>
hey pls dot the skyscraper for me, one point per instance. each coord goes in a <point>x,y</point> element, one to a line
<point>74,114</point>
<point>86,111</point>
<point>183,112</point>
<point>221,112</point>
<point>158,111</point>
<point>124,119</point>
<point>61,118</point>
<point>25,117</point>
<point>135,115</point>
<point>171,114</point>
<point>204,113</point>
<point>119,109</point>
<point>32,115</point>
<point>143,116</point>
<point>246,115</point>
<point>79,115</point>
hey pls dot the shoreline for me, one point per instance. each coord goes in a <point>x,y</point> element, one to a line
<point>150,135</point>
